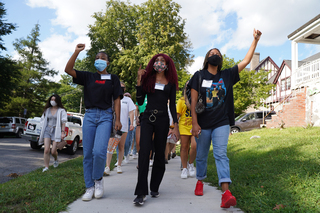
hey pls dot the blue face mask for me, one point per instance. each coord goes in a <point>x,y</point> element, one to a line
<point>100,64</point>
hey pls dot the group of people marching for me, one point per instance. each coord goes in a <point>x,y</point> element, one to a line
<point>156,89</point>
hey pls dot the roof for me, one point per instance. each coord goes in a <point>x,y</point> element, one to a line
<point>304,26</point>
<point>263,61</point>
<point>284,63</point>
<point>312,58</point>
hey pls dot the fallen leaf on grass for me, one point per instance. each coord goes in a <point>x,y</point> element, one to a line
<point>280,206</point>
<point>14,175</point>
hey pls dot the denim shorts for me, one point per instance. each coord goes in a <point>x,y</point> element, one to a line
<point>49,132</point>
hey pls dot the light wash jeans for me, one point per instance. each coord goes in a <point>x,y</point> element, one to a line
<point>219,137</point>
<point>96,132</point>
<point>128,143</point>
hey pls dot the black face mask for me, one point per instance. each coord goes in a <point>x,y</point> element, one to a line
<point>122,89</point>
<point>214,60</point>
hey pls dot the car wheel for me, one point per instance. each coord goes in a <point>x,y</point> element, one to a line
<point>19,133</point>
<point>34,145</point>
<point>234,130</point>
<point>74,146</point>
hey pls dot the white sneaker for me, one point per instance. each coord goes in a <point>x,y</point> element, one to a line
<point>98,188</point>
<point>151,162</point>
<point>45,169</point>
<point>119,170</point>
<point>125,160</point>
<point>106,171</point>
<point>192,171</point>
<point>55,163</point>
<point>184,173</point>
<point>134,156</point>
<point>89,194</point>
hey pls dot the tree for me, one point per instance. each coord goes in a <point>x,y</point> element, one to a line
<point>132,34</point>
<point>9,72</point>
<point>251,90</point>
<point>33,85</point>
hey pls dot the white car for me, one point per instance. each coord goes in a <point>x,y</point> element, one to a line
<point>73,131</point>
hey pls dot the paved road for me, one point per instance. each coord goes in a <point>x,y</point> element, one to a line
<point>16,156</point>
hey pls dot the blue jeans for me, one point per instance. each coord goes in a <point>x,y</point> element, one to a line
<point>219,137</point>
<point>134,151</point>
<point>96,129</point>
<point>128,143</point>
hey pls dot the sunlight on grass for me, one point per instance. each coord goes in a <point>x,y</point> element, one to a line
<point>280,167</point>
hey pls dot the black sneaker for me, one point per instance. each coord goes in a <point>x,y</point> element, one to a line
<point>139,200</point>
<point>154,194</point>
<point>173,155</point>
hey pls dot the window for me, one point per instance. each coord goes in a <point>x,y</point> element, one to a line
<point>259,115</point>
<point>283,84</point>
<point>250,117</point>
<point>23,121</point>
<point>17,120</point>
<point>288,83</point>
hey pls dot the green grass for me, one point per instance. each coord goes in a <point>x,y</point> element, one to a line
<point>280,167</point>
<point>51,191</point>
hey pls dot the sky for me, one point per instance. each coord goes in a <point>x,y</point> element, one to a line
<point>224,24</point>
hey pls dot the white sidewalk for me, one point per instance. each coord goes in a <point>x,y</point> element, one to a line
<point>176,194</point>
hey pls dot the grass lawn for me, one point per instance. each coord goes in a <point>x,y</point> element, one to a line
<point>279,170</point>
<point>51,191</point>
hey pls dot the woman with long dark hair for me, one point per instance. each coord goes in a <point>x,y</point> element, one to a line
<point>159,81</point>
<point>53,122</point>
<point>213,125</point>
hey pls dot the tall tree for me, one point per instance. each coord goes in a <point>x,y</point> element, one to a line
<point>132,34</point>
<point>34,86</point>
<point>9,72</point>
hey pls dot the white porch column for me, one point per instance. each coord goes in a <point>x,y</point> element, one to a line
<point>294,63</point>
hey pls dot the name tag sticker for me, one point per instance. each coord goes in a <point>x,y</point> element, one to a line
<point>159,86</point>
<point>105,76</point>
<point>206,83</point>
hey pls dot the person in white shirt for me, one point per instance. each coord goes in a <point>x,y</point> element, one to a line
<point>127,110</point>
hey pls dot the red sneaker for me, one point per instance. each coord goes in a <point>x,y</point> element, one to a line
<point>199,188</point>
<point>228,200</point>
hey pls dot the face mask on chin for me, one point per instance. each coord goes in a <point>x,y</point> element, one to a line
<point>214,60</point>
<point>100,64</point>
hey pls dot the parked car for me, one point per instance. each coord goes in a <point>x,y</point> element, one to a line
<point>73,131</point>
<point>11,126</point>
<point>251,120</point>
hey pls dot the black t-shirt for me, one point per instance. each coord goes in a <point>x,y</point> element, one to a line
<point>159,98</point>
<point>217,94</point>
<point>99,90</point>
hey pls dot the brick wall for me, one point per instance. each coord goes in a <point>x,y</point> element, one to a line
<point>292,113</point>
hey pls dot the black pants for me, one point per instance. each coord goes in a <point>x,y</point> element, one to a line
<point>160,128</point>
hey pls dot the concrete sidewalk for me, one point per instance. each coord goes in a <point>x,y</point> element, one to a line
<point>176,194</point>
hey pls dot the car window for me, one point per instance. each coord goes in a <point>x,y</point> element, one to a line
<point>240,116</point>
<point>5,120</point>
<point>69,118</point>
<point>23,121</point>
<point>250,117</point>
<point>17,120</point>
<point>259,115</point>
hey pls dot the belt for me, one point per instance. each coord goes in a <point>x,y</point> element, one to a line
<point>152,117</point>
<point>154,111</point>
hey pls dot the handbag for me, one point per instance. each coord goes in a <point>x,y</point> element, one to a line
<point>187,97</point>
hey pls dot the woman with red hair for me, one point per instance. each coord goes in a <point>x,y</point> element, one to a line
<point>159,81</point>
